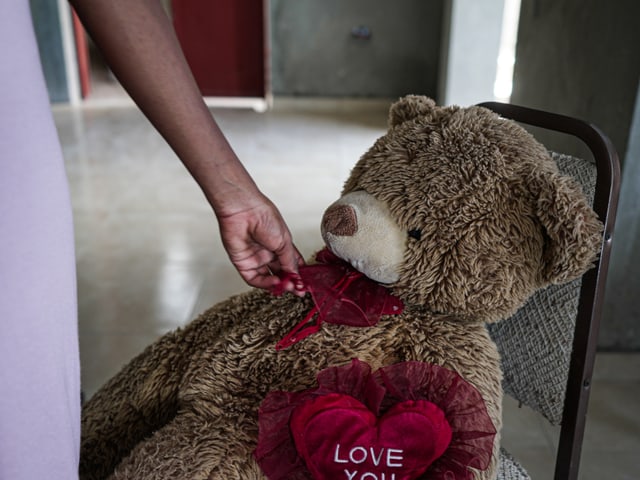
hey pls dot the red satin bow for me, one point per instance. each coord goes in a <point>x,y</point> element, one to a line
<point>341,295</point>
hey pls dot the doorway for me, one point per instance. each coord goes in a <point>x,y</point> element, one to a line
<point>224,43</point>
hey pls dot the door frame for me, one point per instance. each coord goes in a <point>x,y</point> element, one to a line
<point>76,58</point>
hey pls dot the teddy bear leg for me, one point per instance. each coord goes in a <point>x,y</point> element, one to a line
<point>193,448</point>
<point>140,399</point>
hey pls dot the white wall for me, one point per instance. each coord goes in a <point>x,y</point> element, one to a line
<point>477,31</point>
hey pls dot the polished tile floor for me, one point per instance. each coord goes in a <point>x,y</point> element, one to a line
<point>149,257</point>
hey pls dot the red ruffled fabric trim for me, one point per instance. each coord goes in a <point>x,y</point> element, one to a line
<point>473,431</point>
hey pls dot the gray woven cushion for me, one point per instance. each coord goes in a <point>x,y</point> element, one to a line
<point>509,469</point>
<point>535,344</point>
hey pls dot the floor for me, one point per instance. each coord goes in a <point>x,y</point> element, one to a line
<point>149,257</point>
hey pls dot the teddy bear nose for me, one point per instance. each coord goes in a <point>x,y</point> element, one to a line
<point>340,220</point>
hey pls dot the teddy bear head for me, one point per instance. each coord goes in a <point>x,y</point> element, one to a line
<point>462,212</point>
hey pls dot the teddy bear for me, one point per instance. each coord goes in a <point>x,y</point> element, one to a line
<point>385,369</point>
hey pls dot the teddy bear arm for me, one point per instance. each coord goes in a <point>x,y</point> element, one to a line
<point>147,393</point>
<point>486,376</point>
<point>141,398</point>
<point>466,349</point>
<point>192,448</point>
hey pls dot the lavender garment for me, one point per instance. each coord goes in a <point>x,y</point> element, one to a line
<point>39,361</point>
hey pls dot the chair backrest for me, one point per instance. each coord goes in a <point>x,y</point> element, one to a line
<point>548,347</point>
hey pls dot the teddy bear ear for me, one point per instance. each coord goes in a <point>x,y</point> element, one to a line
<point>573,230</point>
<point>410,107</point>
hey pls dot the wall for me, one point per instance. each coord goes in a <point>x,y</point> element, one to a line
<point>313,51</point>
<point>622,304</point>
<point>582,58</point>
<point>315,54</point>
<point>46,21</point>
<point>469,69</point>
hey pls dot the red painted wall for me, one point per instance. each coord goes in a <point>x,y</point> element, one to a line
<point>224,42</point>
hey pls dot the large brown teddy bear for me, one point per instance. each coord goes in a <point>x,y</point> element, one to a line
<point>462,215</point>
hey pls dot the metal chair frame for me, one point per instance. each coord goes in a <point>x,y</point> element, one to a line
<point>591,295</point>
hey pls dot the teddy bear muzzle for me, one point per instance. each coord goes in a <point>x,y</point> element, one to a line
<point>360,229</point>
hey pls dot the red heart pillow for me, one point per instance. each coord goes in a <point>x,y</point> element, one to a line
<point>340,438</point>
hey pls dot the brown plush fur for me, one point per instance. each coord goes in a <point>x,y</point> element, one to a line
<point>497,219</point>
<point>497,222</point>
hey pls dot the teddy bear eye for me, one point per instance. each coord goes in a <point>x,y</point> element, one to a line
<point>415,233</point>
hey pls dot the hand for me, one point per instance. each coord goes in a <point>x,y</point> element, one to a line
<point>259,245</point>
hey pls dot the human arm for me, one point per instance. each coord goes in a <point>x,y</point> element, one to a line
<point>140,46</point>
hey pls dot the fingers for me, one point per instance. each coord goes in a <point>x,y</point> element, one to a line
<point>265,281</point>
<point>259,245</point>
<point>280,274</point>
<point>261,268</point>
<point>288,279</point>
<point>288,258</point>
<point>271,277</point>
